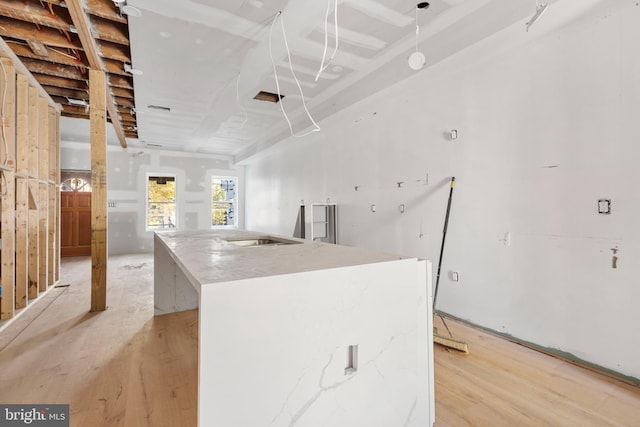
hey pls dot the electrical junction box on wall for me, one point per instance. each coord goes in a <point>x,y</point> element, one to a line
<point>604,206</point>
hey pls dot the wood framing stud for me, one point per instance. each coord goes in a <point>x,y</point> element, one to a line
<point>43,193</point>
<point>7,271</point>
<point>22,190</point>
<point>33,220</point>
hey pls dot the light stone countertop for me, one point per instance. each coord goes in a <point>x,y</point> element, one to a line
<point>210,256</point>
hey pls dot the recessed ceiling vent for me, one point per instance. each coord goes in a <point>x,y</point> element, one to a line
<point>268,96</point>
<point>158,107</point>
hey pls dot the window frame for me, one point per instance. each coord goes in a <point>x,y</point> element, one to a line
<point>146,197</point>
<point>235,201</point>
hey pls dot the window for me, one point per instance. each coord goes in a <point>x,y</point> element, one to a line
<point>76,184</point>
<point>161,202</point>
<point>223,201</point>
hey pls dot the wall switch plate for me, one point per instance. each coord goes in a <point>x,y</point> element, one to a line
<point>604,206</point>
<point>112,204</point>
<point>455,276</point>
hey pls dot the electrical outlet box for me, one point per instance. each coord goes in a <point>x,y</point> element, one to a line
<point>604,206</point>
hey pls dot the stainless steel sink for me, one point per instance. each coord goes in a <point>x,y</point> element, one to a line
<point>262,241</point>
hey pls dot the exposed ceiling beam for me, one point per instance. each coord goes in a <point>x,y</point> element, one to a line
<point>82,24</point>
<point>104,10</point>
<point>124,102</point>
<point>115,67</point>
<point>28,31</point>
<point>47,80</point>
<point>120,81</point>
<point>55,56</point>
<point>53,69</point>
<point>67,93</point>
<point>19,66</point>
<point>122,93</point>
<point>115,51</point>
<point>38,48</point>
<point>110,31</point>
<point>31,12</point>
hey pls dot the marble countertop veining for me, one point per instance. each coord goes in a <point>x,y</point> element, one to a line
<point>211,256</point>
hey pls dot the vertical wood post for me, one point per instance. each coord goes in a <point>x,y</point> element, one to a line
<point>7,272</point>
<point>97,113</point>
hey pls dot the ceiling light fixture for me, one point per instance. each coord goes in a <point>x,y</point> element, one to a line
<point>540,8</point>
<point>417,60</point>
<point>129,69</point>
<point>131,11</point>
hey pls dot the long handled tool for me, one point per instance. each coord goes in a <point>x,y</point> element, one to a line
<point>449,341</point>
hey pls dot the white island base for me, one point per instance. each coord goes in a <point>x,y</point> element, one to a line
<point>301,334</point>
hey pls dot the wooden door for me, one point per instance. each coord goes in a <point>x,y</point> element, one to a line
<point>75,223</point>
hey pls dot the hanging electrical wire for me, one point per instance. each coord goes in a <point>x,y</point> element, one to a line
<point>275,72</point>
<point>324,66</point>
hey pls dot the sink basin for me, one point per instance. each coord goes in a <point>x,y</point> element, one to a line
<point>262,241</point>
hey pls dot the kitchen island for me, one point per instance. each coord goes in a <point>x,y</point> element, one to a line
<point>295,332</point>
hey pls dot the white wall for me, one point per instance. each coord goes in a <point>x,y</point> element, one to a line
<point>547,126</point>
<point>127,174</point>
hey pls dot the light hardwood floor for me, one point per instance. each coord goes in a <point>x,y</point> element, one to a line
<point>125,367</point>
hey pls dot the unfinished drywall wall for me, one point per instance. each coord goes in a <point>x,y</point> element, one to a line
<point>127,176</point>
<point>546,126</point>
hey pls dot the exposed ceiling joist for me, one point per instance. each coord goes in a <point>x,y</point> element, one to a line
<point>102,10</point>
<point>67,93</point>
<point>82,24</point>
<point>32,12</point>
<point>120,81</point>
<point>54,69</point>
<point>28,31</point>
<point>19,66</point>
<point>52,55</point>
<point>54,81</point>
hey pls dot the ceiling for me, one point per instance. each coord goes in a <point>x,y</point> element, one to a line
<point>204,61</point>
<point>45,37</point>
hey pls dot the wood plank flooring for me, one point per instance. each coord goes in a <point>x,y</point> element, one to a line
<point>125,367</point>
